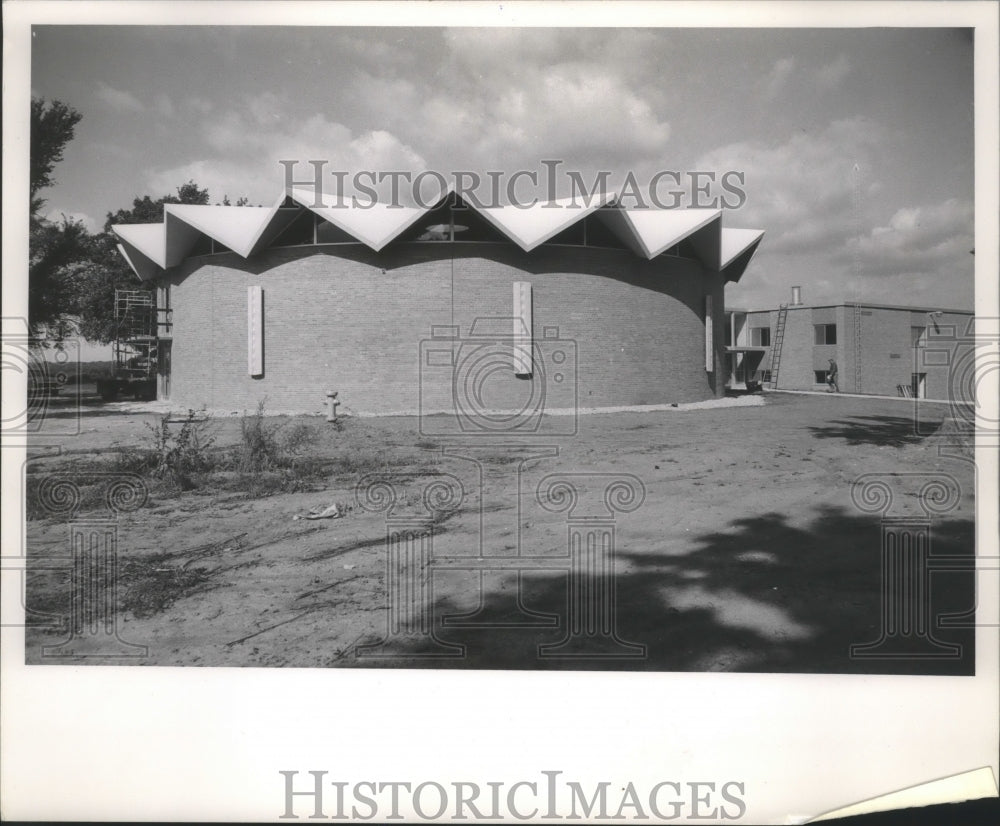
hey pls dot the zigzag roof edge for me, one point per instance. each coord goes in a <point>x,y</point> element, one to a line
<point>144,268</point>
<point>735,269</point>
<point>492,214</point>
<point>149,245</point>
<point>613,217</point>
<point>272,227</point>
<point>739,241</point>
<point>703,217</point>
<point>148,239</point>
<point>306,197</point>
<point>188,214</point>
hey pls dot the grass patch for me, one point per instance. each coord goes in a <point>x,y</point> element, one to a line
<point>145,587</point>
<point>148,587</point>
<point>269,455</point>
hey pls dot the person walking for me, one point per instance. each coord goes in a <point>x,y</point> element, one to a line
<point>831,377</point>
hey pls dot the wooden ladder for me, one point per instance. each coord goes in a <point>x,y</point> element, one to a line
<point>779,339</point>
<point>857,348</point>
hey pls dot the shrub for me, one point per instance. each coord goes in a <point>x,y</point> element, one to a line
<point>181,454</point>
<point>270,454</point>
<point>258,450</point>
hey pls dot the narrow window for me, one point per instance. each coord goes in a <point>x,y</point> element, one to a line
<point>522,328</point>
<point>709,347</point>
<point>255,331</point>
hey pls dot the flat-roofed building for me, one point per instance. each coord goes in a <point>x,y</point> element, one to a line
<point>879,349</point>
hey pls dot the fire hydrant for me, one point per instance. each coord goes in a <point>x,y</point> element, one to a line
<point>331,405</point>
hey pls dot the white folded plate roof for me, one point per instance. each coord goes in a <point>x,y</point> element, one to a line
<point>247,230</point>
<point>373,223</point>
<point>530,226</point>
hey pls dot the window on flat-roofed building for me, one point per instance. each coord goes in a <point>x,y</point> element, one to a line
<point>760,336</point>
<point>820,376</point>
<point>826,333</point>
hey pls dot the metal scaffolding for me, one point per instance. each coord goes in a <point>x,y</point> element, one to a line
<point>135,334</point>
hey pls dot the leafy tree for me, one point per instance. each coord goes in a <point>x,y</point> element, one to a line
<point>55,249</point>
<point>52,128</point>
<point>107,271</point>
<point>56,254</point>
<point>147,211</point>
<point>72,274</point>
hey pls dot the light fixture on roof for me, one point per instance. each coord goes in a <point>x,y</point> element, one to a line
<point>441,232</point>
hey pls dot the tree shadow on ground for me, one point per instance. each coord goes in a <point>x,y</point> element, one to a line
<point>762,596</point>
<point>881,431</point>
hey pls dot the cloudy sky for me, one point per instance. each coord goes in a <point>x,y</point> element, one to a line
<point>856,145</point>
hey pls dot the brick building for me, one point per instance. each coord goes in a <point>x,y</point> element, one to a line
<point>882,350</point>
<point>400,309</point>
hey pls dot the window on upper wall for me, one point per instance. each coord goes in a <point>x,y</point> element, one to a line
<point>826,333</point>
<point>327,233</point>
<point>203,246</point>
<point>760,336</point>
<point>598,234</point>
<point>299,232</point>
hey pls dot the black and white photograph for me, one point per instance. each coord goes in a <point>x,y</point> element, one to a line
<point>367,351</point>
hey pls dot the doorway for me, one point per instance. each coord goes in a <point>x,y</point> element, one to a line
<point>163,369</point>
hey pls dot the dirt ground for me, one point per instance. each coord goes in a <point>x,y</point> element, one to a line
<point>746,552</point>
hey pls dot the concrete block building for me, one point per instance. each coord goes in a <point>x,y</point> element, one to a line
<point>448,309</point>
<point>882,350</point>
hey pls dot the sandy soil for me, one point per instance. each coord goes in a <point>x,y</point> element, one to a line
<point>746,554</point>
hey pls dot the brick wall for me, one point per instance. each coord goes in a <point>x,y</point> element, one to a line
<point>346,318</point>
<point>886,350</point>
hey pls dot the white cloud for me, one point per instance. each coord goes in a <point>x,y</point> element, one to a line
<point>816,196</point>
<point>932,238</point>
<point>803,191</point>
<point>245,146</point>
<point>164,106</point>
<point>117,99</point>
<point>201,105</point>
<point>56,215</point>
<point>506,99</point>
<point>832,74</point>
<point>577,109</point>
<point>776,80</point>
<point>827,77</point>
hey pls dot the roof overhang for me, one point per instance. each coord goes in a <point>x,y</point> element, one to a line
<point>247,230</point>
<point>372,223</point>
<point>532,225</point>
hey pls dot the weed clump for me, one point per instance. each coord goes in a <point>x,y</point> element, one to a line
<point>271,456</point>
<point>183,454</point>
